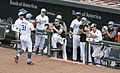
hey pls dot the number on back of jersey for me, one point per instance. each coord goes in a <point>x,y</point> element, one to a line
<point>23,27</point>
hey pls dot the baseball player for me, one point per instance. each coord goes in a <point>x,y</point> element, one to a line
<point>15,28</point>
<point>83,36</point>
<point>56,37</point>
<point>41,24</point>
<point>29,18</point>
<point>109,35</point>
<point>63,35</point>
<point>25,28</point>
<point>97,36</point>
<point>75,30</point>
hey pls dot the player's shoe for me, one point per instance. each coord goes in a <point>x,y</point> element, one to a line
<point>16,59</point>
<point>30,63</point>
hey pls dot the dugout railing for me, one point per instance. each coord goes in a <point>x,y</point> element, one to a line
<point>114,54</point>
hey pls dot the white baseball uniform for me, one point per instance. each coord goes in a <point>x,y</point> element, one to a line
<point>15,28</point>
<point>96,48</point>
<point>25,30</point>
<point>39,37</point>
<point>76,38</point>
<point>64,52</point>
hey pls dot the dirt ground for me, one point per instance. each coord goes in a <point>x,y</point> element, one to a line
<point>44,64</point>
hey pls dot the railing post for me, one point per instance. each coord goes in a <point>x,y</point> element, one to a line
<point>86,52</point>
<point>49,43</point>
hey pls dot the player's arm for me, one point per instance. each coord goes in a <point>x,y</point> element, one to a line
<point>15,28</point>
<point>47,23</point>
<point>86,29</point>
<point>80,29</point>
<point>71,26</point>
<point>58,31</point>
<point>65,27</point>
<point>93,36</point>
<point>32,27</point>
<point>46,26</point>
<point>37,21</point>
<point>111,35</point>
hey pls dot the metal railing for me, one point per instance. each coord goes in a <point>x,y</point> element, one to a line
<point>114,46</point>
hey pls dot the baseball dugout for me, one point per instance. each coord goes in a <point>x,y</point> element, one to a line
<point>2,29</point>
<point>113,56</point>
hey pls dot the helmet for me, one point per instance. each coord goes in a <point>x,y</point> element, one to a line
<point>110,22</point>
<point>29,16</point>
<point>43,10</point>
<point>20,13</point>
<point>59,17</point>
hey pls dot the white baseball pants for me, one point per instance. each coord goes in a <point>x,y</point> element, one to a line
<point>39,42</point>
<point>56,38</point>
<point>76,42</point>
<point>82,51</point>
<point>26,43</point>
<point>96,50</point>
<point>64,53</point>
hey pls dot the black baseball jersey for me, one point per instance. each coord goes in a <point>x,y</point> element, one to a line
<point>82,35</point>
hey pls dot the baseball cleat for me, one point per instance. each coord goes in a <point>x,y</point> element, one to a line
<point>16,59</point>
<point>30,63</point>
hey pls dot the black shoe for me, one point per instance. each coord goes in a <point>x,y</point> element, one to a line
<point>40,52</point>
<point>34,52</point>
<point>30,63</point>
<point>74,60</point>
<point>16,59</point>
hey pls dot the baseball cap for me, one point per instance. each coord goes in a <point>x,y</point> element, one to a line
<point>29,16</point>
<point>77,13</point>
<point>83,18</point>
<point>59,17</point>
<point>43,10</point>
<point>93,25</point>
<point>20,14</point>
<point>105,27</point>
<point>110,23</point>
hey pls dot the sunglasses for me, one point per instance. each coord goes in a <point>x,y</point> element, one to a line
<point>21,15</point>
<point>92,27</point>
<point>56,21</point>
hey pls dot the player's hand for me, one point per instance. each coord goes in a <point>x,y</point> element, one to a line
<point>81,31</point>
<point>70,34</point>
<point>53,27</point>
<point>40,21</point>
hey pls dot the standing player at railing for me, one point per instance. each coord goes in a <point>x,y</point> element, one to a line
<point>63,35</point>
<point>97,36</point>
<point>75,31</point>
<point>83,36</point>
<point>41,24</point>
